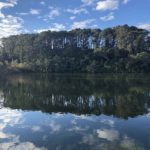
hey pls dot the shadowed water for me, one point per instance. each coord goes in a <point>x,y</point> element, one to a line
<point>70,112</point>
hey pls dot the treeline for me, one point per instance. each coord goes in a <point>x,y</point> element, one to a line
<point>118,49</point>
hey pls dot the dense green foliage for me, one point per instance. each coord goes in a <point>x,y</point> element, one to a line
<point>118,49</point>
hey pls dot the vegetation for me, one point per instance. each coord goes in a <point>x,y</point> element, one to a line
<point>118,49</point>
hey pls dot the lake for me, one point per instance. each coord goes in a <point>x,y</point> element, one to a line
<point>75,112</point>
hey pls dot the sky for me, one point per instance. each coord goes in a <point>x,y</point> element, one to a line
<point>30,16</point>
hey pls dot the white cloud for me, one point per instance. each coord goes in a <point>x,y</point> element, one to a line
<point>108,122</point>
<point>87,2</point>
<point>22,14</point>
<point>31,12</point>
<point>4,135</point>
<point>107,134</point>
<point>54,127</point>
<point>54,27</point>
<point>42,3</point>
<point>6,5</point>
<point>41,30</point>
<point>72,17</point>
<point>34,11</point>
<point>125,1</point>
<point>108,17</point>
<point>78,129</point>
<point>20,146</point>
<point>13,1</point>
<point>144,26</point>
<point>85,117</point>
<point>11,118</point>
<point>82,24</point>
<point>107,5</point>
<point>54,12</point>
<point>10,25</point>
<point>2,15</point>
<point>89,139</point>
<point>36,128</point>
<point>128,143</point>
<point>76,11</point>
<point>58,27</point>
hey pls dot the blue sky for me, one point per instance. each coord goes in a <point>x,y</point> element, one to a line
<point>28,16</point>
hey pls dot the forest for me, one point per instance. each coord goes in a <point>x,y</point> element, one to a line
<point>118,49</point>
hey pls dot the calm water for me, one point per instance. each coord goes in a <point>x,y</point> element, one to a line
<point>75,112</point>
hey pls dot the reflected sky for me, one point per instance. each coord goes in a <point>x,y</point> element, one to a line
<point>23,128</point>
<point>37,130</point>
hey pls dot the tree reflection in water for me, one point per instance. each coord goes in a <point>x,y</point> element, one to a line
<point>118,95</point>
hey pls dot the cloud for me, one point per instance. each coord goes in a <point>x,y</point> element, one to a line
<point>78,129</point>
<point>54,27</point>
<point>13,1</point>
<point>10,25</point>
<point>31,12</point>
<point>76,11</point>
<point>58,27</point>
<point>128,143</point>
<point>107,5</point>
<point>72,17</point>
<point>110,135</point>
<point>22,14</point>
<point>8,4</point>
<point>34,11</point>
<point>19,146</point>
<point>85,117</point>
<point>54,12</point>
<point>108,122</point>
<point>87,2</point>
<point>36,128</point>
<point>9,118</point>
<point>125,1</point>
<point>82,24</point>
<point>144,26</point>
<point>41,30</point>
<point>1,15</point>
<point>54,127</point>
<point>42,3</point>
<point>89,139</point>
<point>6,136</point>
<point>113,140</point>
<point>108,17</point>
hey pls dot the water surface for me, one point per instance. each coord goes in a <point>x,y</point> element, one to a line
<point>75,112</point>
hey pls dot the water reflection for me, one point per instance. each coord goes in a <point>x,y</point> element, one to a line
<point>119,96</point>
<point>63,112</point>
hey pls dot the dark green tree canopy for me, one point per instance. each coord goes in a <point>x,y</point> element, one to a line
<point>81,50</point>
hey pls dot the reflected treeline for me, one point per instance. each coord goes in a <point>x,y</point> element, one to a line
<point>119,95</point>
